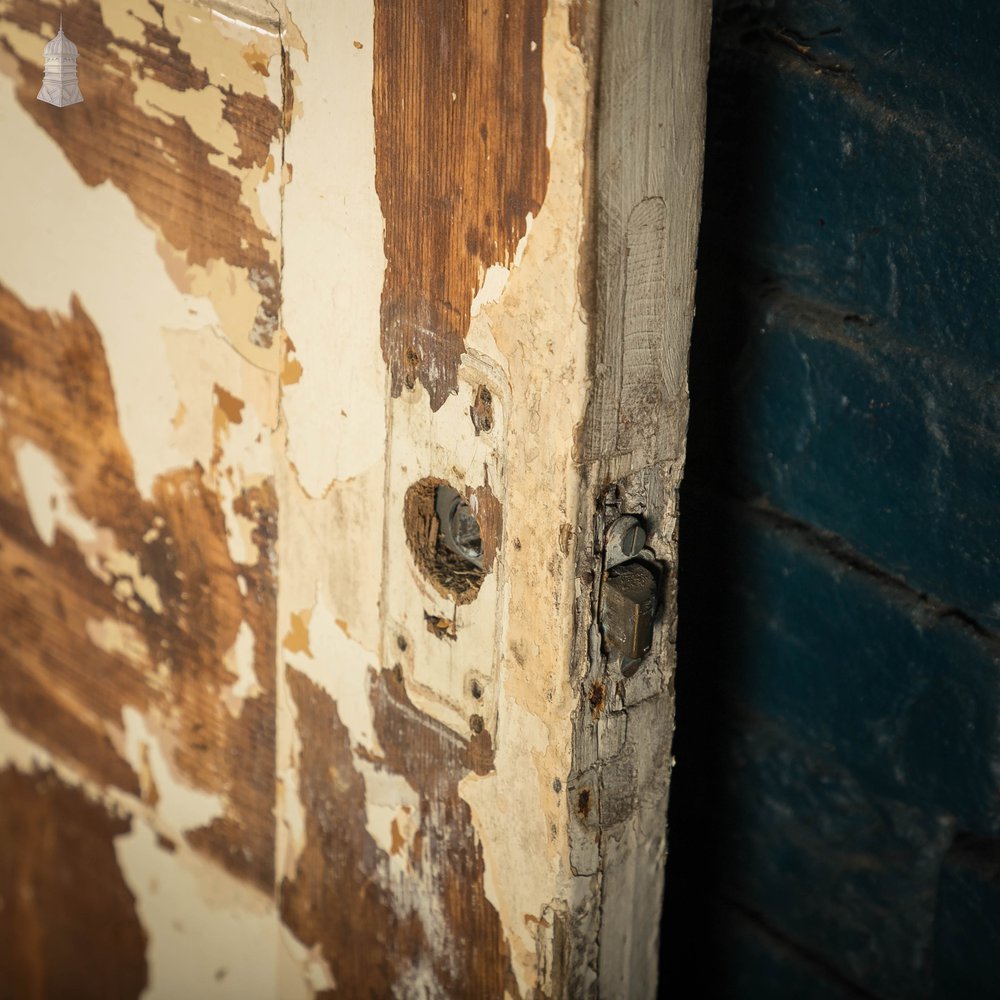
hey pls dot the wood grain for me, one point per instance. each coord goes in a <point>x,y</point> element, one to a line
<point>56,685</point>
<point>68,924</point>
<point>376,940</point>
<point>647,189</point>
<point>461,161</point>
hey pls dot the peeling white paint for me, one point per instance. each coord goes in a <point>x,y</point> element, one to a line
<point>514,835</point>
<point>47,494</point>
<point>209,934</point>
<point>239,662</point>
<point>124,569</point>
<point>61,220</point>
<point>341,667</point>
<point>179,806</point>
<point>391,802</point>
<point>336,411</point>
<point>119,638</point>
<point>492,287</point>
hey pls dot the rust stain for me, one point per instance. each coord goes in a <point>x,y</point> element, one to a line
<point>460,162</point>
<point>297,637</point>
<point>370,944</point>
<point>228,405</point>
<point>596,699</point>
<point>54,943</point>
<point>256,60</point>
<point>291,369</point>
<point>67,693</point>
<point>441,628</point>
<point>110,138</point>
<point>398,842</point>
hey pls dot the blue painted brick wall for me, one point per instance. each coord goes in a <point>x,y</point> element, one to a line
<point>838,685</point>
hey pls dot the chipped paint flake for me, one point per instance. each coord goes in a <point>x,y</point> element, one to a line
<point>47,494</point>
<point>494,282</point>
<point>199,921</point>
<point>239,662</point>
<point>130,311</point>
<point>118,637</point>
<point>178,805</point>
<point>332,407</point>
<point>341,667</point>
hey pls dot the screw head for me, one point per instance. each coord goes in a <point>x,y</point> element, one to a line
<point>624,540</point>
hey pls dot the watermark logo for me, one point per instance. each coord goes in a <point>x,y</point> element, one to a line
<point>60,85</point>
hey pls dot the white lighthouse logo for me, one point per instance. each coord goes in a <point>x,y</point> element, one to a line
<point>60,86</point>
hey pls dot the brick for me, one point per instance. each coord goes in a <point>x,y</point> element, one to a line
<point>848,875</point>
<point>874,186</point>
<point>872,442</point>
<point>904,699</point>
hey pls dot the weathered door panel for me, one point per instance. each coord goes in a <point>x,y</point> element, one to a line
<point>288,272</point>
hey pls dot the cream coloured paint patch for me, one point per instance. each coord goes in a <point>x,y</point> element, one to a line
<point>510,832</point>
<point>210,936</point>
<point>119,638</point>
<point>47,494</point>
<point>518,816</point>
<point>336,411</point>
<point>179,806</point>
<point>392,811</point>
<point>239,662</point>
<point>492,287</point>
<point>129,581</point>
<point>340,666</point>
<point>199,920</point>
<point>127,293</point>
<point>51,507</point>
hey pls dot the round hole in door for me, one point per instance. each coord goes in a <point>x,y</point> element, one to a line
<point>445,539</point>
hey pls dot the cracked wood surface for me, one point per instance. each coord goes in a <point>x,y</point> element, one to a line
<point>284,263</point>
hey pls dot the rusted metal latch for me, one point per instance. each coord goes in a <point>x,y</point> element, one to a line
<point>628,595</point>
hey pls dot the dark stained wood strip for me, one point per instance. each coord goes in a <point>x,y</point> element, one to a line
<point>373,942</point>
<point>460,162</point>
<point>68,923</point>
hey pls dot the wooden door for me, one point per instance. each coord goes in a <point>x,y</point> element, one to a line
<point>338,344</point>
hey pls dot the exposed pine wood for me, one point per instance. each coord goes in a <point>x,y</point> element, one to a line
<point>647,189</point>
